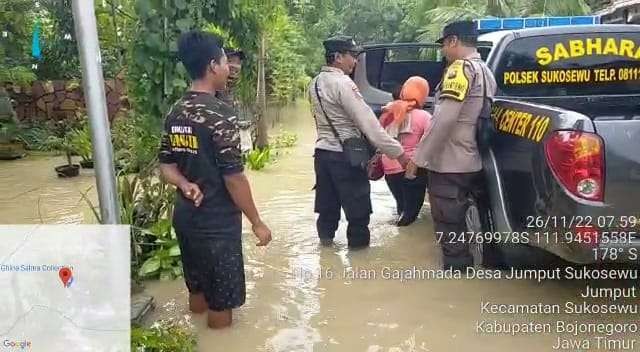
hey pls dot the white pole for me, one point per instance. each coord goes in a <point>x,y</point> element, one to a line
<point>94,94</point>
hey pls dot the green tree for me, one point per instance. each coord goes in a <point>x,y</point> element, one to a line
<point>285,66</point>
<point>16,20</point>
<point>60,58</point>
<point>318,19</point>
<point>371,21</point>
<point>156,77</point>
<point>116,23</point>
<point>59,47</point>
<point>275,66</point>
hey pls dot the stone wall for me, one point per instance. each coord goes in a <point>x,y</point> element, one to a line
<point>57,100</point>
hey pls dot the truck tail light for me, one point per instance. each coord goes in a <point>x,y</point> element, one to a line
<point>577,160</point>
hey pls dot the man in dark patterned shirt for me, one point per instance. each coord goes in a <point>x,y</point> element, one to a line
<point>200,154</point>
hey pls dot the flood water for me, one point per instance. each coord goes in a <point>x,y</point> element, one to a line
<point>31,193</point>
<point>298,298</point>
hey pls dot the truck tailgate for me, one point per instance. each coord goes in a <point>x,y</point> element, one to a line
<point>622,160</point>
<point>617,121</point>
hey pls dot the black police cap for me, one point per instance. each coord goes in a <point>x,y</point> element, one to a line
<point>459,28</point>
<point>341,43</point>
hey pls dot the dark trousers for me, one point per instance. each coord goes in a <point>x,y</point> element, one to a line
<point>409,194</point>
<point>449,196</point>
<point>338,185</point>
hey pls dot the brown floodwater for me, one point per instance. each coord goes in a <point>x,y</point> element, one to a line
<point>32,193</point>
<point>298,296</point>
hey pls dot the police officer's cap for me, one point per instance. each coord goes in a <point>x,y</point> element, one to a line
<point>341,44</point>
<point>459,29</point>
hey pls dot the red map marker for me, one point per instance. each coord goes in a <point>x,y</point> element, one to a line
<point>65,276</point>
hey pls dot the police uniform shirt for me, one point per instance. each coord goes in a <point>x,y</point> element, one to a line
<point>450,145</point>
<point>348,112</point>
<point>202,138</point>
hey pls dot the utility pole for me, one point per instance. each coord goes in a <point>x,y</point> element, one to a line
<point>84,18</point>
<point>261,95</point>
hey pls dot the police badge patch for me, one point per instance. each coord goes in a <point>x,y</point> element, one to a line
<point>455,84</point>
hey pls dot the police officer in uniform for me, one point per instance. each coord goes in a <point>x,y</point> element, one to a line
<point>449,151</point>
<point>333,95</point>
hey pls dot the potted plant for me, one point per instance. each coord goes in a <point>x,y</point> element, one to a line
<point>63,141</point>
<point>10,146</point>
<point>81,145</point>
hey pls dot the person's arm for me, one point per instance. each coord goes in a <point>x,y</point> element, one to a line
<point>366,120</point>
<point>238,187</point>
<point>411,171</point>
<point>171,174</point>
<point>226,137</point>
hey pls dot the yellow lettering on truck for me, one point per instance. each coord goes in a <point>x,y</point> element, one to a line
<point>576,48</point>
<point>520,123</point>
<point>544,56</point>
<point>626,47</point>
<point>611,48</point>
<point>594,45</point>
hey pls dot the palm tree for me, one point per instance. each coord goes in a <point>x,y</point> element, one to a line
<point>553,8</point>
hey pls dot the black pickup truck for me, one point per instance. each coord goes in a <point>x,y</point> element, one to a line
<point>562,149</point>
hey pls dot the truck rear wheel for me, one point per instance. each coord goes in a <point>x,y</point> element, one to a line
<point>504,256</point>
<point>478,220</point>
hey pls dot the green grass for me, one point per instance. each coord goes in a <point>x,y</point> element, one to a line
<point>162,337</point>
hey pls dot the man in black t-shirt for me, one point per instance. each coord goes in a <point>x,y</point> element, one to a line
<point>200,154</point>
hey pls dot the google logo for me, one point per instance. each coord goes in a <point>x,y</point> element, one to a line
<point>23,345</point>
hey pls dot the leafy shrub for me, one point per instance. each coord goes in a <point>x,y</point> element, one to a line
<point>163,261</point>
<point>81,142</point>
<point>258,158</point>
<point>62,144</point>
<point>61,138</point>
<point>36,137</point>
<point>136,139</point>
<point>19,75</point>
<point>285,139</point>
<point>162,337</point>
<point>146,204</point>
